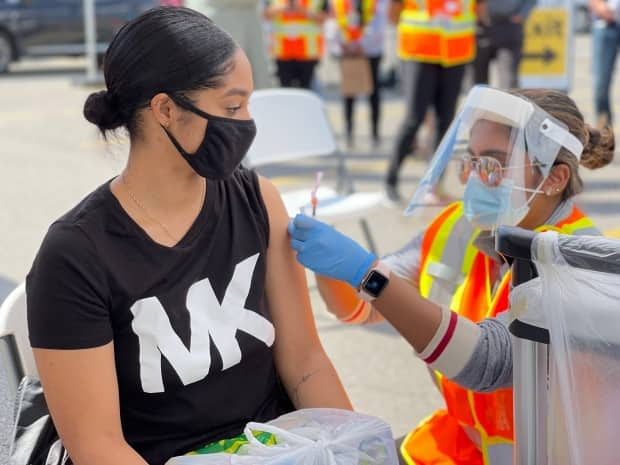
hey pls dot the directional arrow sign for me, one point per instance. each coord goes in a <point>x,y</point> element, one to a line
<point>546,56</point>
<point>546,49</point>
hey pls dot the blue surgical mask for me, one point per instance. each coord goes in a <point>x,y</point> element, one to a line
<point>487,207</point>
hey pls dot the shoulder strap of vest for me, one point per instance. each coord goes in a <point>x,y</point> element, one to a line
<point>574,222</point>
<point>431,232</point>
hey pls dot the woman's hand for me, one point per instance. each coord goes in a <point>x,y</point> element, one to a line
<point>602,9</point>
<point>328,252</point>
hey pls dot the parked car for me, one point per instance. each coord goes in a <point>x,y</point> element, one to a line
<point>39,28</point>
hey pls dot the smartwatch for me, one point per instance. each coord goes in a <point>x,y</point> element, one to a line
<point>374,282</point>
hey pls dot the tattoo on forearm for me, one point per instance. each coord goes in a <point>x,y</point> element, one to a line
<point>304,378</point>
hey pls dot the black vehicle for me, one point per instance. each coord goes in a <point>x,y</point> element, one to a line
<point>38,28</point>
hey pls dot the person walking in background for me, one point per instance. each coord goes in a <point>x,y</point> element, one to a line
<point>360,31</point>
<point>499,37</point>
<point>435,42</point>
<point>242,20</point>
<point>297,39</point>
<point>605,42</point>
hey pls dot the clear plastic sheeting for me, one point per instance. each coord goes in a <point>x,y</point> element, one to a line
<point>311,437</point>
<point>577,297</point>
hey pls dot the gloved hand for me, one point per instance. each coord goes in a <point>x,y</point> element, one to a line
<point>327,251</point>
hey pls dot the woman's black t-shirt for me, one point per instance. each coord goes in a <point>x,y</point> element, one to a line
<point>191,325</point>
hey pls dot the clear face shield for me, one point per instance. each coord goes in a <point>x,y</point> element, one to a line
<point>495,157</point>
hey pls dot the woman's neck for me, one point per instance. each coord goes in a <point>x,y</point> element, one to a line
<point>162,179</point>
<point>540,213</point>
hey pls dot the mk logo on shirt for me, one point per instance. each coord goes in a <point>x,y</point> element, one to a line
<point>208,319</point>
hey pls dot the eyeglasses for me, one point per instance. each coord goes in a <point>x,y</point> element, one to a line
<point>489,169</point>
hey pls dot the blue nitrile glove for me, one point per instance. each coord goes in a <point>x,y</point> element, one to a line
<point>327,251</point>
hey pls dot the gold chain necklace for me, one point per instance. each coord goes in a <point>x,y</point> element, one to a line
<point>146,212</point>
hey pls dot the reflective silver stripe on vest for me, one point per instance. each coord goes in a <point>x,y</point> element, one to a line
<point>499,454</point>
<point>448,25</point>
<point>447,273</point>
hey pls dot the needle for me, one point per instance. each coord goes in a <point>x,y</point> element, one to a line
<point>314,201</point>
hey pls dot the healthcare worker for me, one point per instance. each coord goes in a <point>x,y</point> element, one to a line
<point>297,41</point>
<point>515,158</point>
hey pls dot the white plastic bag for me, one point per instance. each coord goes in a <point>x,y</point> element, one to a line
<point>311,437</point>
<point>577,298</point>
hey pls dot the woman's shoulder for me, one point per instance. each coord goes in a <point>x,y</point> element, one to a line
<point>90,207</point>
<point>74,229</point>
<point>67,283</point>
<point>248,185</point>
<point>245,193</point>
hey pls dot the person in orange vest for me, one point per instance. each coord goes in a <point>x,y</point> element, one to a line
<point>514,157</point>
<point>436,39</point>
<point>296,38</point>
<point>360,31</point>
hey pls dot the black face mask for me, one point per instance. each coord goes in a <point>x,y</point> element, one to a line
<point>224,145</point>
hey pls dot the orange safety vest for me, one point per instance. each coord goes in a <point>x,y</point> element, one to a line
<point>438,31</point>
<point>475,428</point>
<point>294,36</point>
<point>348,18</point>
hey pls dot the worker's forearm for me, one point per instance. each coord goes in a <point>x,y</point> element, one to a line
<point>414,317</point>
<point>477,356</point>
<point>441,338</point>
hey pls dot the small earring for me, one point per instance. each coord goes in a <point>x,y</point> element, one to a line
<point>557,189</point>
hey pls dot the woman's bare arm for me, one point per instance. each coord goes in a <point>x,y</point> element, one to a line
<point>81,391</point>
<point>306,371</point>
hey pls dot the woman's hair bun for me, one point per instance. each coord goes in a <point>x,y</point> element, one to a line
<point>599,148</point>
<point>100,110</point>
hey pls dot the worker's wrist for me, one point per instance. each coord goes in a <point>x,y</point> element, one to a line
<point>363,269</point>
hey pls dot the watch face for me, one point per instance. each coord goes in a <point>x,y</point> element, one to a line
<point>375,283</point>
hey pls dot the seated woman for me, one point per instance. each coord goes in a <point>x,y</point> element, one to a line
<point>166,309</point>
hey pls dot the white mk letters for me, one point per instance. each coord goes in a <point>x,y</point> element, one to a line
<point>208,319</point>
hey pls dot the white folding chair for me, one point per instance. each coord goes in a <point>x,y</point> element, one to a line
<point>293,124</point>
<point>15,352</point>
